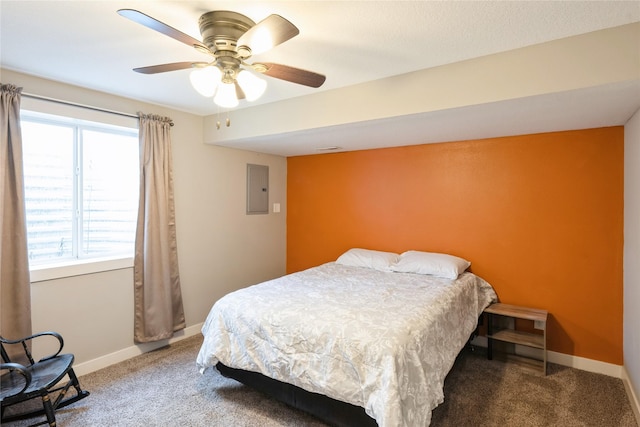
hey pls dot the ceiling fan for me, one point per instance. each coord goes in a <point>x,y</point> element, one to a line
<point>230,38</point>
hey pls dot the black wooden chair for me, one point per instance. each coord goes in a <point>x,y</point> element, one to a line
<point>43,379</point>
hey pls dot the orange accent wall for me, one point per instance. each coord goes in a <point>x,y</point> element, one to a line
<point>539,216</point>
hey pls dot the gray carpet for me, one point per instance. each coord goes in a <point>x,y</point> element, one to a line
<point>164,388</point>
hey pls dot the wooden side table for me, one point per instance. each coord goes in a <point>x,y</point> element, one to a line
<point>509,335</point>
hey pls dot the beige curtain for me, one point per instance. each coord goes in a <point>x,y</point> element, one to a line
<point>15,286</point>
<point>158,298</point>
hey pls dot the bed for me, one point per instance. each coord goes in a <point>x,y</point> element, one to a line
<point>374,331</point>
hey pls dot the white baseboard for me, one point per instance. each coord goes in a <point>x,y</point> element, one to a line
<point>633,397</point>
<point>577,362</point>
<point>585,364</point>
<point>135,350</point>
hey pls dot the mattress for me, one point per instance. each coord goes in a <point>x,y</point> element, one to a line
<point>383,341</point>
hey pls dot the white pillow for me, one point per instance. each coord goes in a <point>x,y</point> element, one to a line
<point>435,264</point>
<point>377,260</point>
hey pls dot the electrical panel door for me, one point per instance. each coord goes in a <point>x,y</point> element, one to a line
<point>257,189</point>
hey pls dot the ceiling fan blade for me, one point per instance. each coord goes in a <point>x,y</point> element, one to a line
<point>174,66</point>
<point>290,74</point>
<point>269,32</point>
<point>160,27</point>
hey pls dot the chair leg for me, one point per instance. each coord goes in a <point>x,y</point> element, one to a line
<point>74,380</point>
<point>61,402</point>
<point>48,409</point>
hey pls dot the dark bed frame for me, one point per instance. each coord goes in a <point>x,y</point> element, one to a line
<point>331,411</point>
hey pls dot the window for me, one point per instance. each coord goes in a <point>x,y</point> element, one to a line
<point>81,189</point>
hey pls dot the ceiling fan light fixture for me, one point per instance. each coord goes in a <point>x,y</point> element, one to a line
<point>252,85</point>
<point>205,80</point>
<point>226,96</point>
<point>261,41</point>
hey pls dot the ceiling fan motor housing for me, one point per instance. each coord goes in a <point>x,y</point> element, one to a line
<point>221,29</point>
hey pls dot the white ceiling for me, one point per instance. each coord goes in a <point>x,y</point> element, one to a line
<point>86,43</point>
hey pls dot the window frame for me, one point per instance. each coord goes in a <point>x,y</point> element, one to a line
<point>41,111</point>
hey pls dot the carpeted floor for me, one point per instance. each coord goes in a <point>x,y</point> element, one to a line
<point>164,388</point>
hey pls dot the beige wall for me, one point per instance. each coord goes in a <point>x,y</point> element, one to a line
<point>220,248</point>
<point>632,255</point>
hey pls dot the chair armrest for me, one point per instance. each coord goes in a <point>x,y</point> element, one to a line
<point>24,340</point>
<point>16,367</point>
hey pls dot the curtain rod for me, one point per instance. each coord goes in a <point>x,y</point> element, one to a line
<point>75,104</point>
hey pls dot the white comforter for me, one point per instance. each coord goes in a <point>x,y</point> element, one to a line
<point>383,341</point>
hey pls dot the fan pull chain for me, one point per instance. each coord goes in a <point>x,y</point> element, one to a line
<point>227,121</point>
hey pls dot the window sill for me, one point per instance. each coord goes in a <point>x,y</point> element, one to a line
<point>78,268</point>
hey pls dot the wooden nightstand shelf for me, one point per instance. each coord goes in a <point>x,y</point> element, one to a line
<point>513,336</point>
